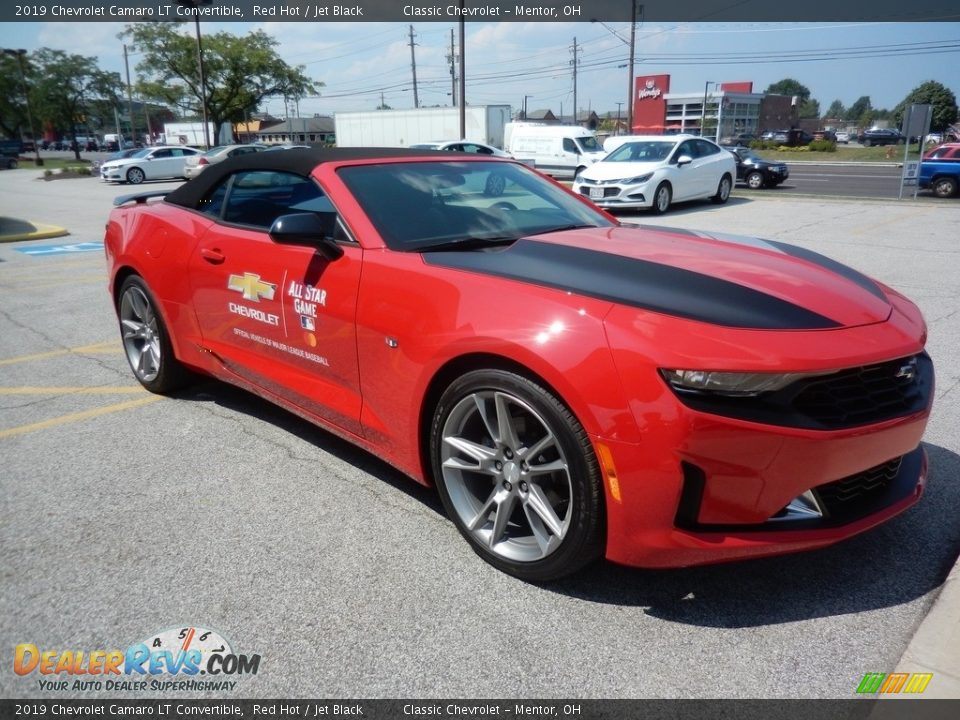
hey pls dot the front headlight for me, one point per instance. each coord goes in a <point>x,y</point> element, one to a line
<point>637,180</point>
<point>731,384</point>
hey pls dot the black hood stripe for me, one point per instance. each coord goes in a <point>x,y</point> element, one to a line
<point>638,283</point>
<point>833,266</point>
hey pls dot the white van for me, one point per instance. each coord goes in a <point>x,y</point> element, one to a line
<point>558,150</point>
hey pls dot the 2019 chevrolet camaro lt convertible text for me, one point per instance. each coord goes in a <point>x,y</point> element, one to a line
<point>573,388</point>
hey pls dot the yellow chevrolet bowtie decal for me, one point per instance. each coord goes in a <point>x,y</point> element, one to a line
<point>252,287</point>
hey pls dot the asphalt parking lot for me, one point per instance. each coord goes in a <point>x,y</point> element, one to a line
<point>126,514</point>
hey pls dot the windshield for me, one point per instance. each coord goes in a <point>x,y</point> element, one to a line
<point>419,204</point>
<point>589,144</point>
<point>649,151</point>
<point>216,150</point>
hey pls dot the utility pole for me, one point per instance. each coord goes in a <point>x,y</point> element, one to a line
<point>633,44</point>
<point>573,62</point>
<point>463,73</point>
<point>413,66</point>
<point>525,105</point>
<point>126,64</point>
<point>619,104</point>
<point>452,58</point>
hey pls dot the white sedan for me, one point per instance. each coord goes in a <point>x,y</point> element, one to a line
<point>653,171</point>
<point>153,163</point>
<point>467,146</point>
<point>196,163</point>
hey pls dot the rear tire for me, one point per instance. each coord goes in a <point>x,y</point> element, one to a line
<point>517,475</point>
<point>944,187</point>
<point>146,341</point>
<point>723,190</point>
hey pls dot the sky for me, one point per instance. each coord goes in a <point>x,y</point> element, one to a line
<point>507,61</point>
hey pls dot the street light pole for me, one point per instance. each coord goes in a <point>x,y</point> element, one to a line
<point>703,109</point>
<point>26,99</point>
<point>619,105</point>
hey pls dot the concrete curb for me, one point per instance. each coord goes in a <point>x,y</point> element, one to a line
<point>935,647</point>
<point>15,230</point>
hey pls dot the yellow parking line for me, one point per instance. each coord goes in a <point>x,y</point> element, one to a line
<point>76,417</point>
<point>102,390</point>
<point>104,347</point>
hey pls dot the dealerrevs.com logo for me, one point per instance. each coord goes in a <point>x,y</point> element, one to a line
<point>173,659</point>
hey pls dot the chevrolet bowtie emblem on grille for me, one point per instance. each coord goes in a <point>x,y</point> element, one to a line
<point>907,371</point>
<point>252,287</point>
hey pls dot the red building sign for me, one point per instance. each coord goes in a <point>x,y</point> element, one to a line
<point>649,103</point>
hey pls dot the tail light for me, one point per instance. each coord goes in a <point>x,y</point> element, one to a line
<point>203,161</point>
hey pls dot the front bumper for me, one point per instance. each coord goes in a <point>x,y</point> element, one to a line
<point>112,174</point>
<point>722,495</point>
<point>611,194</point>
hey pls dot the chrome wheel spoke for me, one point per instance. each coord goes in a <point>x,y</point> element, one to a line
<point>504,510</point>
<point>550,467</point>
<point>461,464</point>
<point>507,432</point>
<point>539,446</point>
<point>538,503</point>
<point>478,452</point>
<point>132,329</point>
<point>480,519</point>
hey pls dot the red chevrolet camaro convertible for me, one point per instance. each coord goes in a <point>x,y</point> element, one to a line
<point>574,388</point>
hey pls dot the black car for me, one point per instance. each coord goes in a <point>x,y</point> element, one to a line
<point>880,136</point>
<point>756,172</point>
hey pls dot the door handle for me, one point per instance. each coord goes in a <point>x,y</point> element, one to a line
<point>212,255</point>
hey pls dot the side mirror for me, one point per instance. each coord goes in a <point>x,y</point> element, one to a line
<point>684,160</point>
<point>314,229</point>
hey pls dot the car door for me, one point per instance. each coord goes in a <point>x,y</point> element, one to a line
<point>278,316</point>
<point>159,164</point>
<point>711,164</point>
<point>687,179</point>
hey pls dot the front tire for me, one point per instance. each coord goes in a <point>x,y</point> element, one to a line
<point>755,180</point>
<point>517,475</point>
<point>146,341</point>
<point>661,199</point>
<point>944,187</point>
<point>135,176</point>
<point>723,190</point>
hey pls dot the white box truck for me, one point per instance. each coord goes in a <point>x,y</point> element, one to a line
<point>403,128</point>
<point>187,133</point>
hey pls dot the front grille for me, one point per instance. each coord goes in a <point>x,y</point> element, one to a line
<point>849,497</point>
<point>862,395</point>
<point>847,398</point>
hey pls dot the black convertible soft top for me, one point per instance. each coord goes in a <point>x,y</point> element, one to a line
<point>298,160</point>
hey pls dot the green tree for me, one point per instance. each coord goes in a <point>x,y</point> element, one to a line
<point>239,71</point>
<point>789,86</point>
<point>932,93</point>
<point>69,90</point>
<point>809,108</point>
<point>836,110</point>
<point>13,109</point>
<point>861,112</point>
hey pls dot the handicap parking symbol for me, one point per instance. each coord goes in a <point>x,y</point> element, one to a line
<point>61,249</point>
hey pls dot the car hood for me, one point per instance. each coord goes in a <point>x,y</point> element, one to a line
<point>714,278</point>
<point>619,170</point>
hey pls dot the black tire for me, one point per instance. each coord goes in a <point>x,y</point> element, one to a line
<point>135,176</point>
<point>495,185</point>
<point>867,143</point>
<point>755,180</point>
<point>723,190</point>
<point>944,187</point>
<point>662,198</point>
<point>146,342</point>
<point>539,473</point>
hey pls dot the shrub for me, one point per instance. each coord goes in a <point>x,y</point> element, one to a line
<point>823,146</point>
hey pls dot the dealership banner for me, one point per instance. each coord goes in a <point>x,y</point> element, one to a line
<point>40,709</point>
<point>476,11</point>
